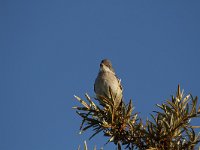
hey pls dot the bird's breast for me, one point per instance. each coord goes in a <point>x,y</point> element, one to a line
<point>106,80</point>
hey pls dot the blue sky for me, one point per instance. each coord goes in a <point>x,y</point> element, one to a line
<point>50,50</point>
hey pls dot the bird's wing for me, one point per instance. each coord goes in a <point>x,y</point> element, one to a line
<point>119,81</point>
<point>94,88</point>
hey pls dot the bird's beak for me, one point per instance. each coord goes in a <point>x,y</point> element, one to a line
<point>101,65</point>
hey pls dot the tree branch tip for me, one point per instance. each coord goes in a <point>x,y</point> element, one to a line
<point>75,96</point>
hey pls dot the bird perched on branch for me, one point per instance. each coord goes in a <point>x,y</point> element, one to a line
<point>107,83</point>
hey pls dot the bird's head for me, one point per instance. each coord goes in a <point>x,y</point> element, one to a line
<point>106,66</point>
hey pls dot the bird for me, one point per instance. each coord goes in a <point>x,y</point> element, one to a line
<point>107,83</point>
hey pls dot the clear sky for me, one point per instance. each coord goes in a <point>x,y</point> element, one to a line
<point>50,50</point>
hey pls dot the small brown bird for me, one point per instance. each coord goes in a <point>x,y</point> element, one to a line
<point>107,79</point>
